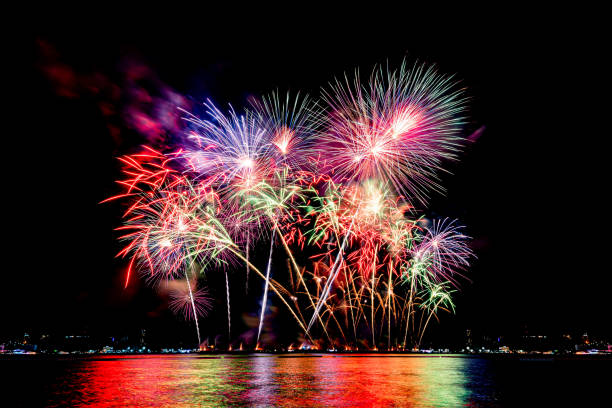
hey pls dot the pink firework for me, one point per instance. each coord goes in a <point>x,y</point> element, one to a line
<point>398,127</point>
<point>181,302</point>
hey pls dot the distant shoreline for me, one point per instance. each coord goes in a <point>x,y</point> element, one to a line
<point>230,355</point>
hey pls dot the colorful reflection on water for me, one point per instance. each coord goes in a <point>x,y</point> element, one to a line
<point>303,381</point>
<point>266,381</point>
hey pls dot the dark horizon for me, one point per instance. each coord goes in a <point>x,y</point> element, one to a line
<point>527,189</point>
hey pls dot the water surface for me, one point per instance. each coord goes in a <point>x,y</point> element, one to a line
<point>302,381</point>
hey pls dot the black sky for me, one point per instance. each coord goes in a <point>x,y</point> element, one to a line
<point>530,190</point>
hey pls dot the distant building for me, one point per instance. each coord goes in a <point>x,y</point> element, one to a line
<point>468,338</point>
<point>585,339</point>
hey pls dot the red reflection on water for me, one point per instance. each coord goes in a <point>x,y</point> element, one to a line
<point>128,381</point>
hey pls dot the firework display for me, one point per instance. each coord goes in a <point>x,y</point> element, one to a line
<point>338,188</point>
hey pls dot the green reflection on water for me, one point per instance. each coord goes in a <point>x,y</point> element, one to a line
<point>444,381</point>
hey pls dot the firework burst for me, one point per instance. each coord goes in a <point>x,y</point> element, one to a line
<point>398,127</point>
<point>291,124</point>
<point>181,301</point>
<point>342,184</point>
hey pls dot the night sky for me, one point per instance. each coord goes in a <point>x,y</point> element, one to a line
<point>529,190</point>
